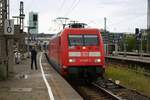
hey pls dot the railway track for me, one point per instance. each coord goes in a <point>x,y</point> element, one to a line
<point>107,90</point>
<point>119,92</point>
<point>93,93</point>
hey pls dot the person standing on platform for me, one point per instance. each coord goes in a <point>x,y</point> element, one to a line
<point>33,57</point>
<point>44,47</point>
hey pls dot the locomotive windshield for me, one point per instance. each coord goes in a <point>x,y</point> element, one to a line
<point>90,40</point>
<point>83,40</point>
<point>75,40</point>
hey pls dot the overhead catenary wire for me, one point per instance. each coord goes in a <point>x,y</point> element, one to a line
<point>74,5</point>
<point>60,8</point>
<point>62,4</point>
<point>71,7</point>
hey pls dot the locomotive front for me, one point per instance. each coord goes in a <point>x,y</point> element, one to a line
<point>83,52</point>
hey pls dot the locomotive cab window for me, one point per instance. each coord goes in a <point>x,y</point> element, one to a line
<point>90,40</point>
<point>75,40</point>
<point>83,40</point>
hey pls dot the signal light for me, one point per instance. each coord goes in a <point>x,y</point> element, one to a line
<point>138,34</point>
<point>136,31</point>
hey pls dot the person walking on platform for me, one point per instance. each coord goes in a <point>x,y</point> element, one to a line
<point>33,58</point>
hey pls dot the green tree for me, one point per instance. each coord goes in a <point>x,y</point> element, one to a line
<point>131,43</point>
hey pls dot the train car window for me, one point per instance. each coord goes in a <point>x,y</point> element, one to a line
<point>75,40</point>
<point>90,40</point>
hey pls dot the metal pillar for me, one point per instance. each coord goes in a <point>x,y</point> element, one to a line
<point>148,14</point>
<point>6,42</point>
<point>22,15</point>
<point>116,48</point>
<point>3,59</point>
<point>3,41</point>
<point>147,44</point>
<point>107,35</point>
<point>10,54</point>
<point>148,25</point>
<point>125,48</point>
<point>141,46</point>
<point>8,9</point>
<point>9,46</point>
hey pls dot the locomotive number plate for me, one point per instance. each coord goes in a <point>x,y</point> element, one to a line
<point>83,60</point>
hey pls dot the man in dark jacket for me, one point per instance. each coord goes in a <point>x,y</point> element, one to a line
<point>33,58</point>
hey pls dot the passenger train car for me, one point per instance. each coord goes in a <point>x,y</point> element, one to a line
<point>78,51</point>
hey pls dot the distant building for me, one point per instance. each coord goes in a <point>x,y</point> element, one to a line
<point>41,39</point>
<point>111,37</point>
<point>44,38</point>
<point>33,22</point>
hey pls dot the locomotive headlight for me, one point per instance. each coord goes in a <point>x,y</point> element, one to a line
<point>97,60</point>
<point>72,60</point>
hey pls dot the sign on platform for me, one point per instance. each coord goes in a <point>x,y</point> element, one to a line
<point>9,27</point>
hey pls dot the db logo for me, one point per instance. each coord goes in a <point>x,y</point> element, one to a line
<point>84,54</point>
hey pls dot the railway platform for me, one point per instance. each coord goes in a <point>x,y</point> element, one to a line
<point>42,84</point>
<point>131,58</point>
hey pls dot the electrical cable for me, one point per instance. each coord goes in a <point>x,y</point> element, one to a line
<point>61,7</point>
<point>73,7</point>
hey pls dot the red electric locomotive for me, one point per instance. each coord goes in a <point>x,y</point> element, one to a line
<point>78,51</point>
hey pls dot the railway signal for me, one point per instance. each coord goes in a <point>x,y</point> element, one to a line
<point>138,34</point>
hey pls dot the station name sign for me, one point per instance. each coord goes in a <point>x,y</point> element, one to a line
<point>9,27</point>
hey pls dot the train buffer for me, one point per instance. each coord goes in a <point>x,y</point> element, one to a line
<point>42,84</point>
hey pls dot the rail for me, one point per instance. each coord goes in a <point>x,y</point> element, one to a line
<point>119,92</point>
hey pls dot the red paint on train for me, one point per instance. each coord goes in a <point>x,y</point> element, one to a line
<point>77,48</point>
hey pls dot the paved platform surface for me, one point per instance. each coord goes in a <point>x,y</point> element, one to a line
<point>27,84</point>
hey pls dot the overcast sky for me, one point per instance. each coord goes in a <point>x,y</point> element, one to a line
<point>122,15</point>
